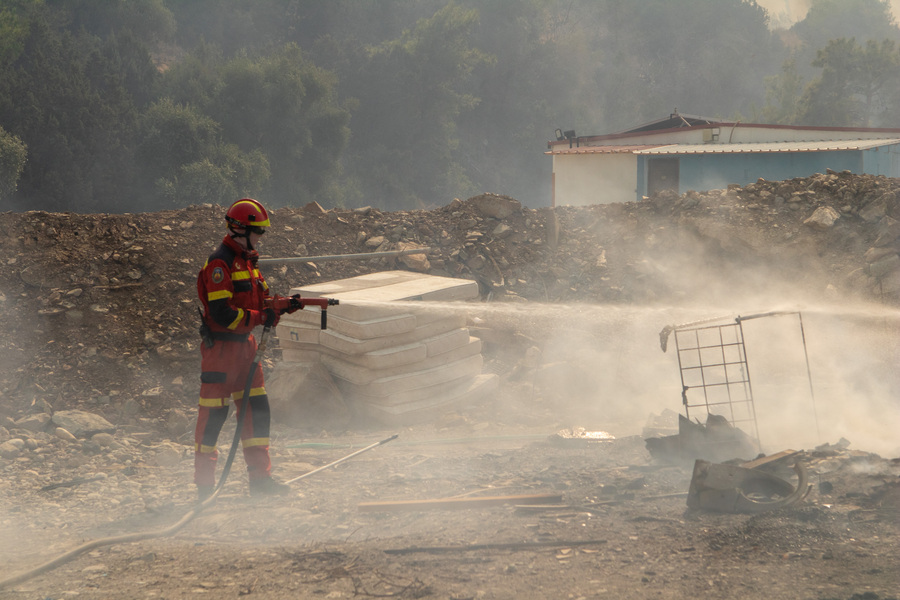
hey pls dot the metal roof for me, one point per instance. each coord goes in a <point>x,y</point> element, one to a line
<point>757,147</point>
<point>609,149</point>
<point>676,120</point>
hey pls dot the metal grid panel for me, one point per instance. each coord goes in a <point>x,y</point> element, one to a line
<point>714,373</point>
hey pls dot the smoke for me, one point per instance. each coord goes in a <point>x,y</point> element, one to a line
<point>601,367</point>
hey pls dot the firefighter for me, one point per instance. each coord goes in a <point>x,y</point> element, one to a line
<point>235,300</point>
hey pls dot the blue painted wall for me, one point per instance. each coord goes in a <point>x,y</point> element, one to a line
<point>703,172</point>
<point>884,160</point>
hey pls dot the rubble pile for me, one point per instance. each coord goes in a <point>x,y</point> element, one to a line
<point>100,311</point>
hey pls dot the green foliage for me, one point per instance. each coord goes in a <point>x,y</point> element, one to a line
<point>442,98</point>
<point>285,107</point>
<point>219,179</point>
<point>279,106</point>
<point>412,90</point>
<point>13,154</point>
<point>783,92</point>
<point>67,97</point>
<point>856,85</point>
<point>172,136</point>
<point>14,27</point>
<point>181,151</point>
<point>148,20</point>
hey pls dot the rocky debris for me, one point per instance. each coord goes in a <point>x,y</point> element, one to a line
<point>101,311</point>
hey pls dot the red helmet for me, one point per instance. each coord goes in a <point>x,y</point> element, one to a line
<point>247,213</point>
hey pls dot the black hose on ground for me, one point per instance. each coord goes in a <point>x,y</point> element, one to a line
<point>134,537</point>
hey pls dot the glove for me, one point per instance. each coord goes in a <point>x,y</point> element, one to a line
<point>271,316</point>
<point>296,304</point>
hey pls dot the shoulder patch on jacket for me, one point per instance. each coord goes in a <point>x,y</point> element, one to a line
<point>218,275</point>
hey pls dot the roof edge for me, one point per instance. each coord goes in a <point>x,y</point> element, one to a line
<point>630,134</point>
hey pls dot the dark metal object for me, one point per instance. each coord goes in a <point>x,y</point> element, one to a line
<point>712,359</point>
<point>730,488</point>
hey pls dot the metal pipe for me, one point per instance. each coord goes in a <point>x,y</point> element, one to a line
<point>364,255</point>
<point>812,394</point>
<point>340,460</point>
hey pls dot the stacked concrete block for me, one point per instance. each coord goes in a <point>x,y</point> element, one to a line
<point>395,358</point>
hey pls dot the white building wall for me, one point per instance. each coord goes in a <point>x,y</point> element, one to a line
<point>582,179</point>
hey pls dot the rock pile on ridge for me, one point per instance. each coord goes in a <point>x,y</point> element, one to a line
<point>100,313</point>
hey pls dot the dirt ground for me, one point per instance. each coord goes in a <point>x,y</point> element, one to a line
<point>100,316</point>
<point>619,530</point>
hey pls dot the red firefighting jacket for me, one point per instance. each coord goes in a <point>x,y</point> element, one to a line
<point>232,292</point>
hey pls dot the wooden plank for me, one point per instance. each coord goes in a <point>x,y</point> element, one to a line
<point>495,546</point>
<point>455,503</point>
<point>772,458</point>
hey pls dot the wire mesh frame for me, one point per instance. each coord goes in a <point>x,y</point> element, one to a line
<point>713,359</point>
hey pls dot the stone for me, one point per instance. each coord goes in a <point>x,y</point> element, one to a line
<point>82,424</point>
<point>12,448</point>
<point>314,208</point>
<point>64,434</point>
<point>102,439</point>
<point>874,211</point>
<point>889,284</point>
<point>875,254</point>
<point>177,423</point>
<point>35,422</point>
<point>414,262</point>
<point>888,264</point>
<point>168,456</point>
<point>502,231</point>
<point>495,206</point>
<point>888,230</point>
<point>823,218</point>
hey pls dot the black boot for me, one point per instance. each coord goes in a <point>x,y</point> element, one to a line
<point>268,487</point>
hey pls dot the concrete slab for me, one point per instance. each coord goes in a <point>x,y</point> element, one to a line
<point>364,297</point>
<point>361,330</point>
<point>361,375</point>
<point>348,345</point>
<point>427,407</point>
<point>400,357</point>
<point>407,396</point>
<point>303,334</point>
<point>445,342</point>
<point>295,355</point>
<point>391,387</point>
<point>389,344</point>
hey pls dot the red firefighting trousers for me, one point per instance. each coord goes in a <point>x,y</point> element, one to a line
<point>225,367</point>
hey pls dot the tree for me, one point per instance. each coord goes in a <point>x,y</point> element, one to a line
<point>411,91</point>
<point>149,21</point>
<point>184,161</point>
<point>783,92</point>
<point>287,108</point>
<point>71,98</point>
<point>172,135</point>
<point>828,20</point>
<point>856,85</point>
<point>14,28</point>
<point>13,154</point>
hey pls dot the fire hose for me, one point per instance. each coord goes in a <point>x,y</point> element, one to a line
<point>323,303</point>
